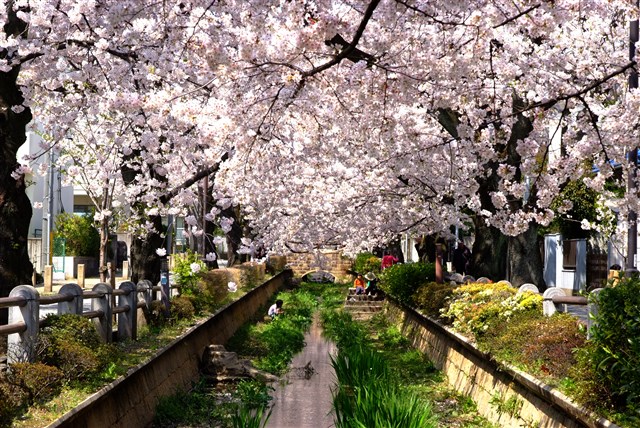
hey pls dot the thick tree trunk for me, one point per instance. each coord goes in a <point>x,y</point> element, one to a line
<point>489,252</point>
<point>15,208</point>
<point>145,263</point>
<point>525,260</point>
<point>234,237</point>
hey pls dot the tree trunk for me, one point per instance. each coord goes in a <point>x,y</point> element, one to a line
<point>489,253</point>
<point>234,237</point>
<point>525,260</point>
<point>104,242</point>
<point>15,207</point>
<point>145,262</point>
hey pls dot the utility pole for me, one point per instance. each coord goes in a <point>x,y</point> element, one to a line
<point>632,217</point>
<point>50,207</point>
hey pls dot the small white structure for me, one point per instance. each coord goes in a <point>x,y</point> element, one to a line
<point>565,263</point>
<point>408,245</point>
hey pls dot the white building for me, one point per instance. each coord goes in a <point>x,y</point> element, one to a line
<point>48,198</point>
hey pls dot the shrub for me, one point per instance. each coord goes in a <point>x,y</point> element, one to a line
<point>82,238</point>
<point>187,269</point>
<point>70,326</point>
<point>473,307</point>
<point>402,280</point>
<point>276,264</point>
<point>367,262</point>
<point>157,314</point>
<point>431,297</point>
<point>214,291</point>
<point>39,381</point>
<point>182,308</point>
<point>13,401</point>
<point>541,345</point>
<point>614,357</point>
<point>251,274</point>
<point>72,344</point>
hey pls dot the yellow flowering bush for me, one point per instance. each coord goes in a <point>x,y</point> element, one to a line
<point>473,307</point>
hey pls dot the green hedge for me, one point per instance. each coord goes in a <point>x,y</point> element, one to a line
<point>403,280</point>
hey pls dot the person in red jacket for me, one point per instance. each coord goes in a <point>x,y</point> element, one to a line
<point>388,261</point>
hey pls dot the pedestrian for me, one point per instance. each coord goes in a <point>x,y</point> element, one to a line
<point>276,309</point>
<point>461,259</point>
<point>359,284</point>
<point>372,284</point>
<point>388,261</point>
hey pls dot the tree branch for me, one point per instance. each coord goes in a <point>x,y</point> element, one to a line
<point>513,18</point>
<point>194,179</point>
<point>351,47</point>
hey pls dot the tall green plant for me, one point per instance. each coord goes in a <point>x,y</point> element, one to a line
<point>82,238</point>
<point>615,351</point>
<point>367,262</point>
<point>402,280</point>
<point>368,395</point>
<point>188,268</point>
<point>247,417</point>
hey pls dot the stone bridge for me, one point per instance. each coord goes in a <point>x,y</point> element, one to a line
<point>330,261</point>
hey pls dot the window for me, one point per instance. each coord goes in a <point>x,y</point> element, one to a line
<point>569,254</point>
<point>83,209</point>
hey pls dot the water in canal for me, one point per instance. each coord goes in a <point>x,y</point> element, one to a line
<point>302,399</point>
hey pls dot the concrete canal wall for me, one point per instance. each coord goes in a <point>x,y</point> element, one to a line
<point>504,395</point>
<point>131,401</point>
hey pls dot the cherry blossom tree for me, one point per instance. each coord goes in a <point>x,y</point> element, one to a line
<point>15,208</point>
<point>371,118</point>
<point>129,78</point>
<point>345,122</point>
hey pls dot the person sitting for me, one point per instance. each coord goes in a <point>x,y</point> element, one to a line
<point>275,309</point>
<point>359,284</point>
<point>372,284</point>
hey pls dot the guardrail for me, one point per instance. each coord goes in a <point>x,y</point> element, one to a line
<point>24,304</point>
<point>555,298</point>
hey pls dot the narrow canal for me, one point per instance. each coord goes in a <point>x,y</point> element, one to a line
<point>302,399</point>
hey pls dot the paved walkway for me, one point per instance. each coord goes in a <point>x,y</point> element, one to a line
<point>89,283</point>
<point>303,398</point>
<point>579,311</point>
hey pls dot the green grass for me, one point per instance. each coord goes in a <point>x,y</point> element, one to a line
<point>377,366</point>
<point>424,389</point>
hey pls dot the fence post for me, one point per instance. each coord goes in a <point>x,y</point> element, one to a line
<point>146,288</point>
<point>548,307</point>
<point>592,310</point>
<point>81,275</point>
<point>127,321</point>
<point>528,287</point>
<point>48,279</point>
<point>21,346</point>
<point>104,323</point>
<point>75,305</point>
<point>125,269</point>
